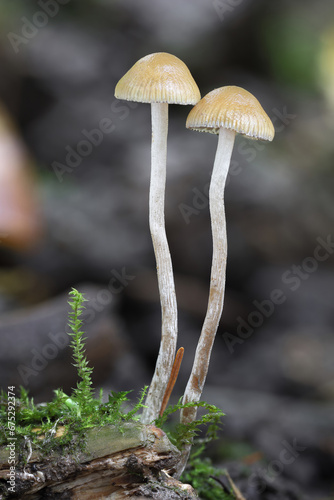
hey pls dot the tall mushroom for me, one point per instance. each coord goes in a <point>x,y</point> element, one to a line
<point>160,79</point>
<point>224,111</point>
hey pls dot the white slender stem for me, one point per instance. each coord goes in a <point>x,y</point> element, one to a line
<point>217,285</point>
<point>164,263</point>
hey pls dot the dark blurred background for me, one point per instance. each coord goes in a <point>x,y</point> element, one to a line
<point>74,174</point>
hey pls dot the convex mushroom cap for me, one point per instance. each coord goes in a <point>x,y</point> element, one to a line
<point>232,108</point>
<point>158,77</point>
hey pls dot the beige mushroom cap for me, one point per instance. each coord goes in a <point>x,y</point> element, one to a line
<point>233,108</point>
<point>158,77</point>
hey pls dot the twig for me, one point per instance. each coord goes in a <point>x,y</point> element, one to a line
<point>172,379</point>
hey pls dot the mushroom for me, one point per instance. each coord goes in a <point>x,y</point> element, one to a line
<point>160,79</point>
<point>20,224</point>
<point>224,111</point>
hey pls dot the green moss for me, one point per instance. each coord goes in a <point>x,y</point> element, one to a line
<point>183,434</point>
<point>37,424</point>
<point>204,478</point>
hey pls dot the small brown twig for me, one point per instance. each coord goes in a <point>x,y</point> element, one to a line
<point>237,493</point>
<point>172,379</point>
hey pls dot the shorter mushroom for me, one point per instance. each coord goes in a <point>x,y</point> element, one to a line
<point>224,111</point>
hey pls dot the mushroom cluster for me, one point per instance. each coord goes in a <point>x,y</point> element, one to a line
<point>162,79</point>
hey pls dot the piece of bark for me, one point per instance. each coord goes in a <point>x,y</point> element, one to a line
<point>119,462</point>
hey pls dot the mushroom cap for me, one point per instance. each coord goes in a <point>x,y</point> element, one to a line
<point>158,77</point>
<point>233,108</point>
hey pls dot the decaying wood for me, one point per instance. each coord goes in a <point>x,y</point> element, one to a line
<point>135,461</point>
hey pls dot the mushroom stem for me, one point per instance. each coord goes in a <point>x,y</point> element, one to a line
<point>167,349</point>
<point>217,285</point>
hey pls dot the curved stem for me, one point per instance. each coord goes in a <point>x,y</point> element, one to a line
<point>167,349</point>
<point>217,284</point>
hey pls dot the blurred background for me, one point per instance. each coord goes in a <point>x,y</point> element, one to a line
<point>74,170</point>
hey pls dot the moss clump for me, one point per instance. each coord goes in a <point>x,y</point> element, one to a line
<point>53,425</point>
